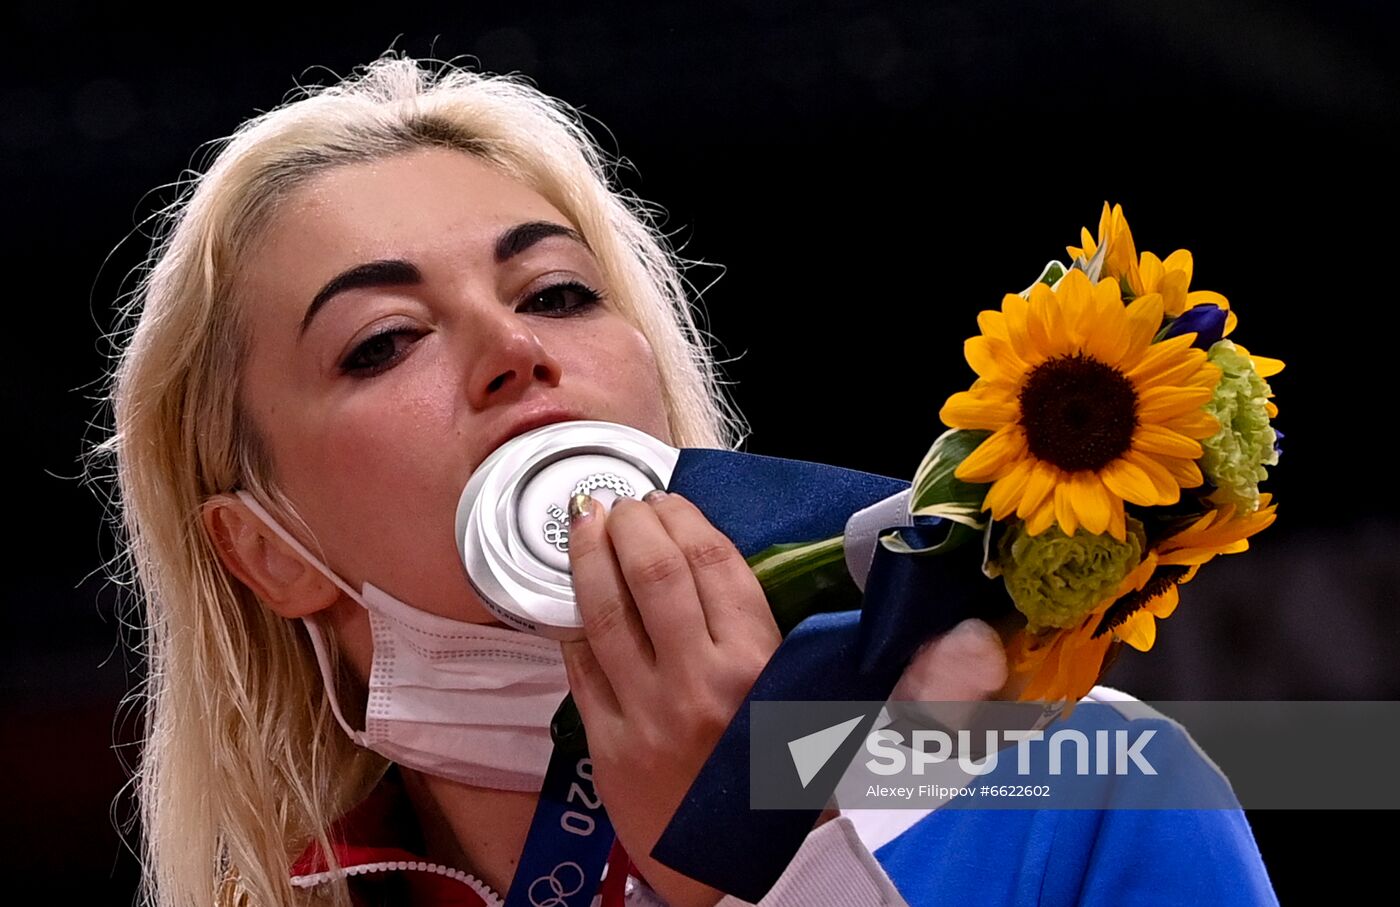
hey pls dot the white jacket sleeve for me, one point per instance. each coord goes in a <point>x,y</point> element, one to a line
<point>832,868</point>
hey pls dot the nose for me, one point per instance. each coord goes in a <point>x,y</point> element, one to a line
<point>507,359</point>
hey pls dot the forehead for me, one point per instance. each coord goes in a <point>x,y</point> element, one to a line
<point>429,206</point>
<point>414,196</point>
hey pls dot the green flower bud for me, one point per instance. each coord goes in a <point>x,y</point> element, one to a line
<point>1055,579</point>
<point>1235,456</point>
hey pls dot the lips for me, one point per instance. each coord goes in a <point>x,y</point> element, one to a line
<point>532,421</point>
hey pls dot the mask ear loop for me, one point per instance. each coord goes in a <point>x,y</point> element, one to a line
<point>319,642</point>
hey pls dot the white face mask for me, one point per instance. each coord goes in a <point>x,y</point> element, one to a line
<point>458,700</point>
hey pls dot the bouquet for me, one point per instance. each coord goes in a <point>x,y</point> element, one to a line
<point>1113,441</point>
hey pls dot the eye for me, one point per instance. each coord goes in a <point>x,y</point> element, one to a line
<point>379,353</point>
<point>567,298</point>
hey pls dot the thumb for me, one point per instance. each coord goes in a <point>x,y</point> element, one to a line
<point>968,663</point>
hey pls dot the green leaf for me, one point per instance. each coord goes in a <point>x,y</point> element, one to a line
<point>1049,275</point>
<point>805,578</point>
<point>937,492</point>
<point>958,535</point>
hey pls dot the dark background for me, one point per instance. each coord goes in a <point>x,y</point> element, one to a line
<point>868,176</point>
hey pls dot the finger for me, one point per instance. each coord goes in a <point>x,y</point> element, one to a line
<point>611,624</point>
<point>593,691</point>
<point>950,679</point>
<point>659,578</point>
<point>967,663</point>
<point>734,605</point>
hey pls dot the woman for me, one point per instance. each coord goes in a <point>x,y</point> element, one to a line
<point>369,290</point>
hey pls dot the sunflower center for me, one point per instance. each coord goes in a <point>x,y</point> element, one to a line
<point>1078,413</point>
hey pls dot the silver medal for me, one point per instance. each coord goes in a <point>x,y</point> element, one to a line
<point>513,521</point>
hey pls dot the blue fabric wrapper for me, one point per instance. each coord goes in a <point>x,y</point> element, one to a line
<point>714,836</point>
<point>763,501</point>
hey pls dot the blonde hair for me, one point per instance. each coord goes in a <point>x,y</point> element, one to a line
<point>243,763</point>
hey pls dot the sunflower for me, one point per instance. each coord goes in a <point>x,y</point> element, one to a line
<point>1151,591</point>
<point>1086,412</point>
<point>1147,273</point>
<point>1120,257</point>
<point>1172,278</point>
<point>1062,665</point>
<point>1065,664</point>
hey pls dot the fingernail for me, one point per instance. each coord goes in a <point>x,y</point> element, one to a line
<point>653,495</point>
<point>580,508</point>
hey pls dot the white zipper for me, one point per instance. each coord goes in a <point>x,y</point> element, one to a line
<point>320,878</point>
<point>481,888</point>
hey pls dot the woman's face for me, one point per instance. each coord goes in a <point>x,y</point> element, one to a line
<point>409,315</point>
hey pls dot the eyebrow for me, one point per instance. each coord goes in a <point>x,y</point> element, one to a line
<point>399,273</point>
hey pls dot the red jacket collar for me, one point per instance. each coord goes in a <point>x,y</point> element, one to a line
<point>380,848</point>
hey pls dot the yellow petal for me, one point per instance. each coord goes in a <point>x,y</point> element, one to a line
<point>992,323</point>
<point>1117,524</point>
<point>1197,556</point>
<point>1173,290</point>
<point>1206,297</point>
<point>1017,314</point>
<point>966,409</point>
<point>1207,376</point>
<point>1157,440</point>
<point>994,457</point>
<point>1073,297</point>
<point>1129,482</point>
<point>1038,487</point>
<point>1264,367</point>
<point>1168,492</point>
<point>1164,604</point>
<point>1138,631</point>
<point>1038,324</point>
<point>1042,518</point>
<point>1198,424</point>
<point>992,359</point>
<point>1090,500</point>
<point>1144,320</point>
<point>1180,260</point>
<point>1106,335</point>
<point>1065,514</point>
<point>1168,362</point>
<point>1156,404</point>
<point>1271,409</point>
<point>1138,576</point>
<point>1152,271</point>
<point>1006,493</point>
<point>1184,472</point>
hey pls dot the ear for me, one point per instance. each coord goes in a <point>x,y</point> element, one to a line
<point>251,551</point>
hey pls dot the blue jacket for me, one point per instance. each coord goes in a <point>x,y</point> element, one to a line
<point>958,854</point>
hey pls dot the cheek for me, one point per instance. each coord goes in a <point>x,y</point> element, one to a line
<point>641,378</point>
<point>380,450</point>
<point>393,437</point>
<point>386,469</point>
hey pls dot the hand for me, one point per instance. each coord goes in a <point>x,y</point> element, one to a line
<point>951,677</point>
<point>968,663</point>
<point>677,629</point>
